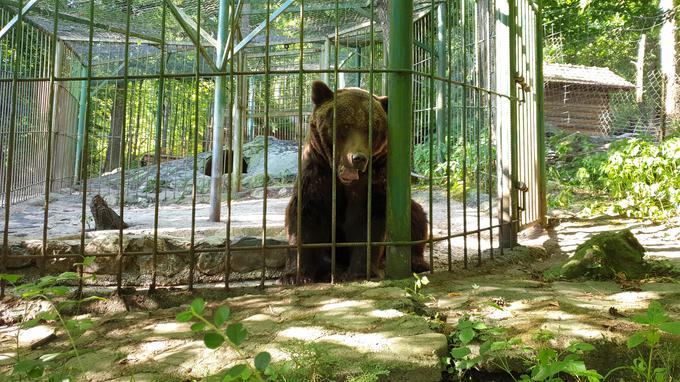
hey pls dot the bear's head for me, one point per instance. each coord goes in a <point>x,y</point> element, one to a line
<point>350,110</point>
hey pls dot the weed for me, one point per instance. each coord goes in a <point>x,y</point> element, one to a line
<point>52,290</point>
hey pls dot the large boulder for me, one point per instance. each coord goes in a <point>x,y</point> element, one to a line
<point>606,255</point>
<point>282,163</point>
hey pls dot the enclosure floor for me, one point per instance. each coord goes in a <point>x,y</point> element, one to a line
<point>65,213</point>
<point>355,326</point>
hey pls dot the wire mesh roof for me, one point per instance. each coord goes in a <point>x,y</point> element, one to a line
<point>110,22</point>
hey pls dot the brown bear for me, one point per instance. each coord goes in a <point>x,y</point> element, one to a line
<point>351,161</point>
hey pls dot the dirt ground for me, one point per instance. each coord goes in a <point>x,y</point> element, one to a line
<point>359,327</point>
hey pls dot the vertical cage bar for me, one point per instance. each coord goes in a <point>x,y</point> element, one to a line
<point>194,169</point>
<point>298,178</point>
<point>158,126</point>
<point>540,112</point>
<point>369,192</point>
<point>433,123</point>
<point>12,140</point>
<point>235,159</point>
<point>514,149</point>
<point>56,51</point>
<point>86,135</point>
<point>399,137</point>
<point>464,112</point>
<point>121,205</point>
<point>449,121</point>
<point>267,100</point>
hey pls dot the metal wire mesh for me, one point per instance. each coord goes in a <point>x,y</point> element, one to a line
<point>133,118</point>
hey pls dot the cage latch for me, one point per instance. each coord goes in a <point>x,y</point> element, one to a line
<point>523,188</point>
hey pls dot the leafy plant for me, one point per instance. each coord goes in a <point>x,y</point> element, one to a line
<point>655,321</point>
<point>462,162</point>
<point>53,290</point>
<point>635,177</point>
<point>418,298</point>
<point>220,331</point>
<point>544,365</point>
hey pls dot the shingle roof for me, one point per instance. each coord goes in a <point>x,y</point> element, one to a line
<point>585,75</point>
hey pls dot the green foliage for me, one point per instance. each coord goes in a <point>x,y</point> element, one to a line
<point>655,321</point>
<point>544,365</point>
<point>52,289</point>
<point>601,33</point>
<point>644,177</point>
<point>220,331</point>
<point>419,299</point>
<point>636,177</point>
<point>463,162</point>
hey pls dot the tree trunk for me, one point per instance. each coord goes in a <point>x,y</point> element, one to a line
<point>117,122</point>
<point>668,57</point>
<point>167,108</point>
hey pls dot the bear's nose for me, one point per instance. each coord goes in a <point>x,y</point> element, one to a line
<point>359,161</point>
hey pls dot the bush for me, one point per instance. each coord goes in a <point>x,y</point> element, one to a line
<point>461,162</point>
<point>644,177</point>
<point>639,177</point>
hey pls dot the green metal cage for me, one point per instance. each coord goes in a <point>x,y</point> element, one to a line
<point>131,99</point>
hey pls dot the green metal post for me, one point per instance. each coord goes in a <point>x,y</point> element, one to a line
<point>542,202</point>
<point>237,117</point>
<point>441,72</point>
<point>399,138</point>
<point>82,115</point>
<point>219,119</point>
<point>514,141</point>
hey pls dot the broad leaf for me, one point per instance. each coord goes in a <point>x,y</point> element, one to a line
<point>12,279</point>
<point>221,315</point>
<point>466,335</point>
<point>236,333</point>
<point>262,361</point>
<point>184,316</point>
<point>635,340</point>
<point>197,327</point>
<point>459,353</point>
<point>671,327</point>
<point>198,306</point>
<point>213,340</point>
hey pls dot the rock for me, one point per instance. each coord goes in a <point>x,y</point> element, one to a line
<point>250,260</point>
<point>604,256</point>
<point>281,165</point>
<point>36,336</point>
<point>202,185</point>
<point>167,265</point>
<point>108,265</point>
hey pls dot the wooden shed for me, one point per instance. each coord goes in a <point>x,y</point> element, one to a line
<point>577,97</point>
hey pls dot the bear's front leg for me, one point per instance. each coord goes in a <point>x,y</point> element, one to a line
<point>315,224</point>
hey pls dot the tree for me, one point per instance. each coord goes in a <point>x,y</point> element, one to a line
<point>605,32</point>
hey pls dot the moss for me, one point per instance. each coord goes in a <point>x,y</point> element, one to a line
<point>604,256</point>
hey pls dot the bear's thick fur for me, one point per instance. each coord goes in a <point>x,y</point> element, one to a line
<point>351,163</point>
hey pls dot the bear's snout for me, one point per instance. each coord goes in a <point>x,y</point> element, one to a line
<point>359,161</point>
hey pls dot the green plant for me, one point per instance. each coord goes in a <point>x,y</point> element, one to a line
<point>544,365</point>
<point>461,162</point>
<point>52,290</point>
<point>549,365</point>
<point>221,331</point>
<point>655,321</point>
<point>418,298</point>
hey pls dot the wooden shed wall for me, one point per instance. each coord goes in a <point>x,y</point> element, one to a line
<point>577,108</point>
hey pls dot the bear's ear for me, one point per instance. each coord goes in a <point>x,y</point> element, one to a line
<point>383,102</point>
<point>321,93</point>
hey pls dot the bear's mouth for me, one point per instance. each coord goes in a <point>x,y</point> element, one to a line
<point>348,175</point>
